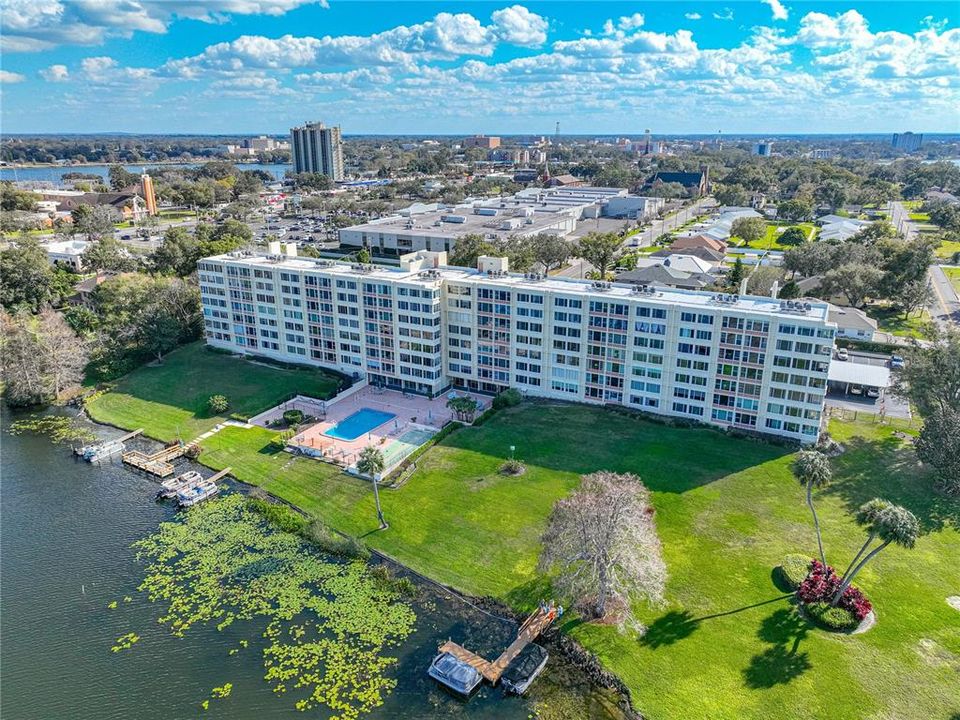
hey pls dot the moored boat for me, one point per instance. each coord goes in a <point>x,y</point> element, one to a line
<point>196,494</point>
<point>101,451</point>
<point>169,488</point>
<point>454,674</point>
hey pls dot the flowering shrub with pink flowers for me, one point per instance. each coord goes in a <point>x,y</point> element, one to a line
<point>822,584</point>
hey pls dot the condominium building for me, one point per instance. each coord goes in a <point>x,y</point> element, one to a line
<point>316,148</point>
<point>750,363</point>
<point>908,141</point>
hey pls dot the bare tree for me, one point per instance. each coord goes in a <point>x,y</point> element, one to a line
<point>42,357</point>
<point>64,353</point>
<point>602,543</point>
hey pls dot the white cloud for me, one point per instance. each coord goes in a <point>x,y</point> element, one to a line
<point>34,25</point>
<point>11,77</point>
<point>55,73</point>
<point>777,8</point>
<point>518,26</point>
<point>726,14</point>
<point>445,37</point>
<point>692,16</point>
<point>820,30</point>
<point>623,25</point>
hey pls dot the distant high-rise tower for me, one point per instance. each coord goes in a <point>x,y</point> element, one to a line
<point>763,149</point>
<point>149,196</point>
<point>646,141</point>
<point>317,149</point>
<point>908,142</point>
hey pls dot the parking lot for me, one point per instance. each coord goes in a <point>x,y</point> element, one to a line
<point>851,389</point>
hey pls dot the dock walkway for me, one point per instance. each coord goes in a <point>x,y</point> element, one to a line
<point>159,463</point>
<point>491,671</point>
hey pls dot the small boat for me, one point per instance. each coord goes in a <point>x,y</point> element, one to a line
<point>196,494</point>
<point>454,674</point>
<point>95,453</point>
<point>524,669</point>
<point>169,488</point>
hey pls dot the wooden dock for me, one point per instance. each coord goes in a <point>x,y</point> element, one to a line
<point>130,435</point>
<point>219,475</point>
<point>159,463</point>
<point>491,671</point>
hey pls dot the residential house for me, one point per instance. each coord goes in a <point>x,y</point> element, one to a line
<point>852,323</point>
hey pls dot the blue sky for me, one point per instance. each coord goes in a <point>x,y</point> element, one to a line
<point>248,66</point>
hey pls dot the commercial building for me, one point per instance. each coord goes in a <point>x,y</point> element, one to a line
<point>746,363</point>
<point>487,142</point>
<point>67,253</point>
<point>763,149</point>
<point>437,227</point>
<point>908,141</point>
<point>316,148</point>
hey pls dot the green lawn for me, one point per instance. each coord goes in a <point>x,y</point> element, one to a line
<point>727,643</point>
<point>948,249</point>
<point>953,274</point>
<point>891,320</point>
<point>769,241</point>
<point>170,400</point>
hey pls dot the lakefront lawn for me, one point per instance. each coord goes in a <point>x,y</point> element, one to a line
<point>727,643</point>
<point>170,400</point>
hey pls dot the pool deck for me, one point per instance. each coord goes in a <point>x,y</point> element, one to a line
<point>411,411</point>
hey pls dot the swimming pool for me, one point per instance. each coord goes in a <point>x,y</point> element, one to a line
<point>360,423</point>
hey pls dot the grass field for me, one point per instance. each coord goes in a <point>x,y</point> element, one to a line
<point>170,400</point>
<point>947,249</point>
<point>769,240</point>
<point>891,320</point>
<point>727,643</point>
<point>953,274</point>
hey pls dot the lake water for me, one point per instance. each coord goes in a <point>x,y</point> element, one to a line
<point>66,532</point>
<point>55,174</point>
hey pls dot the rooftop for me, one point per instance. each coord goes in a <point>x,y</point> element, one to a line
<point>877,376</point>
<point>534,282</point>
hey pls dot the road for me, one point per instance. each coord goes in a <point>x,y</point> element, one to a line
<point>900,219</point>
<point>670,223</point>
<point>945,307</point>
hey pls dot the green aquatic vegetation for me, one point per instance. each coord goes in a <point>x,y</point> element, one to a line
<point>329,622</point>
<point>205,704</point>
<point>222,691</point>
<point>125,642</point>
<point>112,605</point>
<point>127,598</point>
<point>59,428</point>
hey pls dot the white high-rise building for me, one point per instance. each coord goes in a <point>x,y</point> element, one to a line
<point>747,363</point>
<point>316,148</point>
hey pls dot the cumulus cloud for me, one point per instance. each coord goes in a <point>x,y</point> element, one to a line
<point>518,26</point>
<point>11,77</point>
<point>34,25</point>
<point>55,73</point>
<point>725,14</point>
<point>777,8</point>
<point>623,25</point>
<point>692,15</point>
<point>446,36</point>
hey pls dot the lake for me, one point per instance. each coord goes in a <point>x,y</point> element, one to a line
<point>55,174</point>
<point>66,542</point>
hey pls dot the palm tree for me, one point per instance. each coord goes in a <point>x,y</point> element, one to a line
<point>812,469</point>
<point>884,521</point>
<point>371,463</point>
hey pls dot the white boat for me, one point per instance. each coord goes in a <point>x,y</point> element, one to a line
<point>197,494</point>
<point>94,453</point>
<point>169,488</point>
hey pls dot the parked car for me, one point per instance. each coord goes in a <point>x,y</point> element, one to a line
<point>896,362</point>
<point>842,354</point>
<point>873,392</point>
<point>856,390</point>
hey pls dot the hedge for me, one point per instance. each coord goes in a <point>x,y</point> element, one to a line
<point>794,569</point>
<point>834,618</point>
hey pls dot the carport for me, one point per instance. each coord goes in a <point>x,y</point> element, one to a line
<point>845,377</point>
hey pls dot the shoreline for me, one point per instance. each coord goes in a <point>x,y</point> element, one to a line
<point>572,652</point>
<point>152,163</point>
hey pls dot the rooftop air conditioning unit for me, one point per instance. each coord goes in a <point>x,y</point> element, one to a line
<point>808,307</point>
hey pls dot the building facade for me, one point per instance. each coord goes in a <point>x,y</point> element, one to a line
<point>316,148</point>
<point>749,363</point>
<point>908,141</point>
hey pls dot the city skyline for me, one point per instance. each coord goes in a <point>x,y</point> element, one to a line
<point>221,66</point>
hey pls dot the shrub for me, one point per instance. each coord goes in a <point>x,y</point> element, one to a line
<point>835,618</point>
<point>822,584</point>
<point>508,398</point>
<point>293,417</point>
<point>343,546</point>
<point>218,404</point>
<point>794,569</point>
<point>240,417</point>
<point>512,467</point>
<point>281,516</point>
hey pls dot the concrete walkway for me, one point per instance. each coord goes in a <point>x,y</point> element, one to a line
<point>946,305</point>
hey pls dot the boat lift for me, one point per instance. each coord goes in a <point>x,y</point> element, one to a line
<point>462,670</point>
